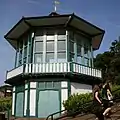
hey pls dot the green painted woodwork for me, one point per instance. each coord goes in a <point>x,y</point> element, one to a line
<point>69,88</point>
<point>48,86</point>
<point>48,103</point>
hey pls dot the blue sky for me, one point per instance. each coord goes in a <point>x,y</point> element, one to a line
<point>103,13</point>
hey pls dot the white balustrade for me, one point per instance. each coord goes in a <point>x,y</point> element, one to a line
<point>54,68</point>
<point>15,72</point>
<point>77,68</point>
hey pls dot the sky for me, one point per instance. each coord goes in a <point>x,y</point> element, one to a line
<point>102,13</point>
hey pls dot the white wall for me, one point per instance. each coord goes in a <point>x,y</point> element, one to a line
<point>80,88</point>
<point>64,93</point>
<point>32,98</point>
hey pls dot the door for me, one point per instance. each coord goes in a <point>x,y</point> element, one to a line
<point>48,103</point>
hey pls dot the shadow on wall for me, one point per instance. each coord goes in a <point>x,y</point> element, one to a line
<point>80,88</point>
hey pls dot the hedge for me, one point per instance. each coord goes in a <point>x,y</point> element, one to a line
<point>5,104</point>
<point>83,102</point>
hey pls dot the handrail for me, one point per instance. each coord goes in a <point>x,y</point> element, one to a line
<point>77,112</point>
<point>51,115</point>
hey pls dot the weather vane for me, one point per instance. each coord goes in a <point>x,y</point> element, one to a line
<point>56,2</point>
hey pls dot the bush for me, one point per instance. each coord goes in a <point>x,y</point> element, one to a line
<point>81,102</point>
<point>116,91</point>
<point>76,102</point>
<point>5,104</point>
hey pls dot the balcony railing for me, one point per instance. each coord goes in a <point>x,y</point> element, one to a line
<point>42,68</point>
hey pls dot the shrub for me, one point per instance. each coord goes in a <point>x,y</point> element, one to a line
<point>116,91</point>
<point>5,104</point>
<point>81,102</point>
<point>76,102</point>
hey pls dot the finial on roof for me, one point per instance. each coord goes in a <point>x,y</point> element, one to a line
<point>56,2</point>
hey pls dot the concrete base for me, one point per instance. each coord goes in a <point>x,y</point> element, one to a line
<point>12,118</point>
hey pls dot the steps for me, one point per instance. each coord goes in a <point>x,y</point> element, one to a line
<point>114,116</point>
<point>27,118</point>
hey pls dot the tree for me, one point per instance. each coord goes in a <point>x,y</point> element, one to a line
<point>109,62</point>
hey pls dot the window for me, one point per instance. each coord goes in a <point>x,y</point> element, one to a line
<point>49,85</point>
<point>61,57</point>
<point>50,57</point>
<point>86,52</point>
<point>38,46</point>
<point>71,46</point>
<point>86,62</point>
<point>38,58</point>
<point>72,59</point>
<point>50,46</point>
<point>25,51</point>
<point>61,45</point>
<point>57,84</point>
<point>41,85</point>
<point>79,50</point>
<point>20,54</point>
<point>24,43</point>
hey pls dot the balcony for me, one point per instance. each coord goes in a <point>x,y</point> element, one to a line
<point>53,68</point>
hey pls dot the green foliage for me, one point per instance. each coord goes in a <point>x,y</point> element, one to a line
<point>76,102</point>
<point>5,104</point>
<point>109,62</point>
<point>83,102</point>
<point>116,91</point>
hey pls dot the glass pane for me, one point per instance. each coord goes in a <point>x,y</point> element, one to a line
<point>78,50</point>
<point>29,49</point>
<point>20,88</point>
<point>61,45</point>
<point>20,54</point>
<point>41,85</point>
<point>72,57</point>
<point>71,46</point>
<point>79,59</point>
<point>25,51</point>
<point>25,60</point>
<point>57,85</point>
<point>86,62</point>
<point>50,46</point>
<point>29,59</point>
<point>38,46</point>
<point>61,57</point>
<point>86,52</point>
<point>38,58</point>
<point>50,57</point>
<point>19,104</point>
<point>49,85</point>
